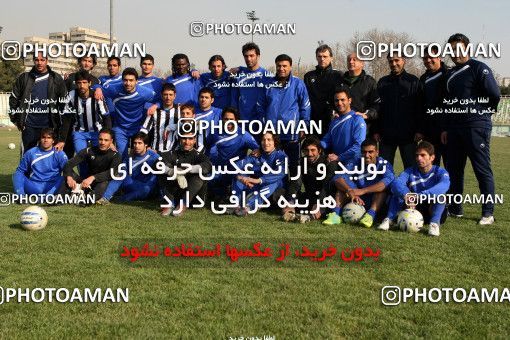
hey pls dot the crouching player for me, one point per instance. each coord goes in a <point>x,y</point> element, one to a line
<point>222,147</point>
<point>184,185</point>
<point>39,171</point>
<point>100,160</point>
<point>137,185</point>
<point>269,174</point>
<point>315,181</point>
<point>367,188</point>
<point>426,179</point>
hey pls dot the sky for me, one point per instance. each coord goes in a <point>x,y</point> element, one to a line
<point>164,26</point>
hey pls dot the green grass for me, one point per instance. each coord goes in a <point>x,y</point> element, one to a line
<point>80,247</point>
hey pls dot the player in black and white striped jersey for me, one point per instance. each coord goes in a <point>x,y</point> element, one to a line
<point>161,126</point>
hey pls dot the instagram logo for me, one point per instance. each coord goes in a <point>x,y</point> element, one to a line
<point>186,127</point>
<point>366,50</point>
<point>390,295</point>
<point>5,199</point>
<point>11,50</point>
<point>197,29</point>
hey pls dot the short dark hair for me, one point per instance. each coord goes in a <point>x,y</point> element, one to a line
<point>130,71</point>
<point>217,57</point>
<point>44,55</point>
<point>82,75</point>
<point>424,145</point>
<point>251,46</point>
<point>343,89</point>
<point>108,131</point>
<point>370,142</point>
<point>283,57</point>
<point>146,57</point>
<point>188,106</point>
<point>140,135</point>
<point>206,90</point>
<point>324,48</point>
<point>275,136</point>
<point>458,37</point>
<point>230,109</point>
<point>433,48</point>
<point>179,56</point>
<point>168,87</point>
<point>47,131</point>
<point>113,58</point>
<point>312,140</point>
<point>94,59</point>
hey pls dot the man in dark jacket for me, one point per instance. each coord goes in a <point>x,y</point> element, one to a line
<point>320,84</point>
<point>400,113</point>
<point>363,88</point>
<point>36,101</point>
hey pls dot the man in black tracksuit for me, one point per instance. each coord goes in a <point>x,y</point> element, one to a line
<point>363,88</point>
<point>37,101</point>
<point>434,88</point>
<point>473,96</point>
<point>100,160</point>
<point>400,113</point>
<point>189,163</point>
<point>320,84</point>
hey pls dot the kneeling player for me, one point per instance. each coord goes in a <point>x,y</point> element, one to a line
<point>315,188</point>
<point>100,160</point>
<point>188,162</point>
<point>367,188</point>
<point>138,185</point>
<point>264,182</point>
<point>423,178</point>
<point>39,171</point>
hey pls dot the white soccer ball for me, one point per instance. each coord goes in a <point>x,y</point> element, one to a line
<point>11,146</point>
<point>352,212</point>
<point>34,218</point>
<point>410,220</point>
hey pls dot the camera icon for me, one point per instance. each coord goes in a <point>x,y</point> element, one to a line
<point>197,29</point>
<point>366,50</point>
<point>390,295</point>
<point>186,127</point>
<point>5,199</point>
<point>11,50</point>
<point>411,199</point>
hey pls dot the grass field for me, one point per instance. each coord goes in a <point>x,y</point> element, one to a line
<point>80,247</point>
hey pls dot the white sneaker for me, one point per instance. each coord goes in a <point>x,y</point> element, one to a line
<point>385,224</point>
<point>486,220</point>
<point>434,229</point>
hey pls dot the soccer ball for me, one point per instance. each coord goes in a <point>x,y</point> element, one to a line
<point>34,218</point>
<point>352,212</point>
<point>11,146</point>
<point>410,220</point>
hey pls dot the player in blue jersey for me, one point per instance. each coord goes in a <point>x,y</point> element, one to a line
<point>40,168</point>
<point>206,111</point>
<point>147,78</point>
<point>131,102</point>
<point>186,84</point>
<point>368,187</point>
<point>248,83</point>
<point>475,94</point>
<point>346,132</point>
<point>256,190</point>
<point>222,147</point>
<point>218,80</point>
<point>423,178</point>
<point>114,77</point>
<point>285,100</point>
<point>141,182</point>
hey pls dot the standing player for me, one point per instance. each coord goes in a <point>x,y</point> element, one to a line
<point>131,102</point>
<point>147,78</point>
<point>219,80</point>
<point>468,134</point>
<point>346,132</point>
<point>367,189</point>
<point>186,85</point>
<point>248,84</point>
<point>423,178</point>
<point>40,168</point>
<point>285,100</point>
<point>137,185</point>
<point>206,111</point>
<point>114,76</point>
